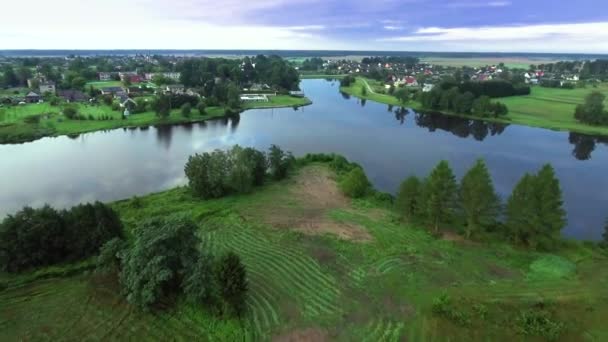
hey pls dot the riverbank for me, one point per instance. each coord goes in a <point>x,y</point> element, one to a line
<point>327,267</point>
<point>544,108</point>
<point>15,126</point>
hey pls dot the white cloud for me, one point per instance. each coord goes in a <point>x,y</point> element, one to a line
<point>585,37</point>
<point>479,4</point>
<point>393,28</point>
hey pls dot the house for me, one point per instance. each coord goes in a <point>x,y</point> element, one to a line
<point>125,74</point>
<point>135,79</point>
<point>134,91</point>
<point>105,76</point>
<point>411,81</point>
<point>175,89</point>
<point>47,87</point>
<point>72,95</point>
<point>296,93</point>
<point>111,90</point>
<point>32,97</point>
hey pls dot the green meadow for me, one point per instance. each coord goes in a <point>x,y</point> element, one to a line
<point>324,267</point>
<point>549,108</point>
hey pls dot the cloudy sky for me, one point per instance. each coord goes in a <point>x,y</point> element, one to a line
<point>412,25</point>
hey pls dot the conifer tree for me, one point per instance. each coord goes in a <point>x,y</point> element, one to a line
<point>408,198</point>
<point>480,203</point>
<point>440,195</point>
<point>520,211</point>
<point>551,215</point>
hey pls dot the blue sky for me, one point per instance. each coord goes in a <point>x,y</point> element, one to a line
<point>410,25</point>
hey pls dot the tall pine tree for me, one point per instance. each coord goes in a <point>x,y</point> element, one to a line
<point>605,235</point>
<point>480,203</point>
<point>535,214</point>
<point>408,198</point>
<point>440,195</point>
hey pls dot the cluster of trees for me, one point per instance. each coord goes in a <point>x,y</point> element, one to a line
<point>39,237</point>
<point>312,64</point>
<point>347,81</point>
<point>239,170</point>
<point>587,69</point>
<point>164,259</point>
<point>452,99</point>
<point>592,111</point>
<point>493,88</point>
<point>202,73</point>
<point>534,215</point>
<point>409,62</point>
<point>552,83</point>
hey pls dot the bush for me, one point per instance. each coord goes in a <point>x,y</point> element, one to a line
<point>200,286</point>
<point>32,119</point>
<point>279,162</point>
<point>538,322</point>
<point>186,109</point>
<point>70,112</point>
<point>201,107</point>
<point>232,283</point>
<point>355,184</point>
<point>164,249</point>
<point>442,306</point>
<point>111,255</point>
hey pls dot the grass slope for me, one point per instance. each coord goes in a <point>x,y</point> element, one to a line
<point>13,128</point>
<point>545,107</point>
<point>305,284</point>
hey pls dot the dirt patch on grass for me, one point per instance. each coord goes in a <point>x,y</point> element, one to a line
<point>306,205</point>
<point>501,272</point>
<point>306,335</point>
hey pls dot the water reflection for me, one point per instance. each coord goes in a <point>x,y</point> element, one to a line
<point>460,127</point>
<point>584,145</point>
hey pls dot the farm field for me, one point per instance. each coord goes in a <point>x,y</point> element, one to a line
<point>322,267</point>
<point>513,63</point>
<point>549,108</point>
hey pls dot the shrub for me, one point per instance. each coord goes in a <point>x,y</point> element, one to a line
<point>355,184</point>
<point>111,255</point>
<point>200,285</point>
<point>163,251</point>
<point>201,107</point>
<point>442,306</point>
<point>70,112</point>
<point>538,322</point>
<point>186,109</point>
<point>279,162</point>
<point>32,119</point>
<point>232,283</point>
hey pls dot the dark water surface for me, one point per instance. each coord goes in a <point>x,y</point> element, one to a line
<point>389,143</point>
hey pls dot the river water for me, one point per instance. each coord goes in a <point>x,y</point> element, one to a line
<point>390,143</point>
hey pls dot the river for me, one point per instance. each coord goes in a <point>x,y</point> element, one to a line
<point>390,143</point>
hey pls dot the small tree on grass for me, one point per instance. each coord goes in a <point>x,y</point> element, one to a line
<point>111,255</point>
<point>402,95</point>
<point>364,90</point>
<point>479,201</point>
<point>408,198</point>
<point>162,106</point>
<point>279,162</point>
<point>201,107</point>
<point>441,195</point>
<point>200,285</point>
<point>186,109</point>
<point>70,112</point>
<point>162,253</point>
<point>355,184</point>
<point>232,283</point>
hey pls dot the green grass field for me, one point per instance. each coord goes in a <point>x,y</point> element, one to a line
<point>513,63</point>
<point>545,108</point>
<point>14,129</point>
<point>311,278</point>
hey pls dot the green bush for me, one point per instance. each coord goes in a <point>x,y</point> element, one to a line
<point>232,283</point>
<point>186,109</point>
<point>201,107</point>
<point>355,184</point>
<point>70,112</point>
<point>279,162</point>
<point>32,119</point>
<point>538,322</point>
<point>443,306</point>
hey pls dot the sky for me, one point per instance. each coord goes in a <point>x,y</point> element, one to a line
<point>558,26</point>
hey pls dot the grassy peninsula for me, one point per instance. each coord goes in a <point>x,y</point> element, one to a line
<point>320,267</point>
<point>549,108</point>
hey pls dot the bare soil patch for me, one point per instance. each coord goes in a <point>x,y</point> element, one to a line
<point>316,194</point>
<point>306,335</point>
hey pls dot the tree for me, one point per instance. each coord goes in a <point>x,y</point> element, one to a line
<point>463,103</point>
<point>592,111</point>
<point>279,162</point>
<point>200,285</point>
<point>208,174</point>
<point>480,203</point>
<point>78,83</point>
<point>481,106</point>
<point>232,283</point>
<point>164,249</point>
<point>31,238</point>
<point>441,195</point>
<point>355,184</point>
<point>408,198</point>
<point>535,214</point>
<point>605,235</point>
<point>186,109</point>
<point>201,107</point>
<point>111,255</point>
<point>552,216</point>
<point>162,106</point>
<point>402,95</point>
<point>363,90</point>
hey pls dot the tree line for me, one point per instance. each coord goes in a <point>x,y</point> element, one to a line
<point>533,215</point>
<point>454,100</point>
<point>40,237</point>
<point>238,170</point>
<point>166,258</point>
